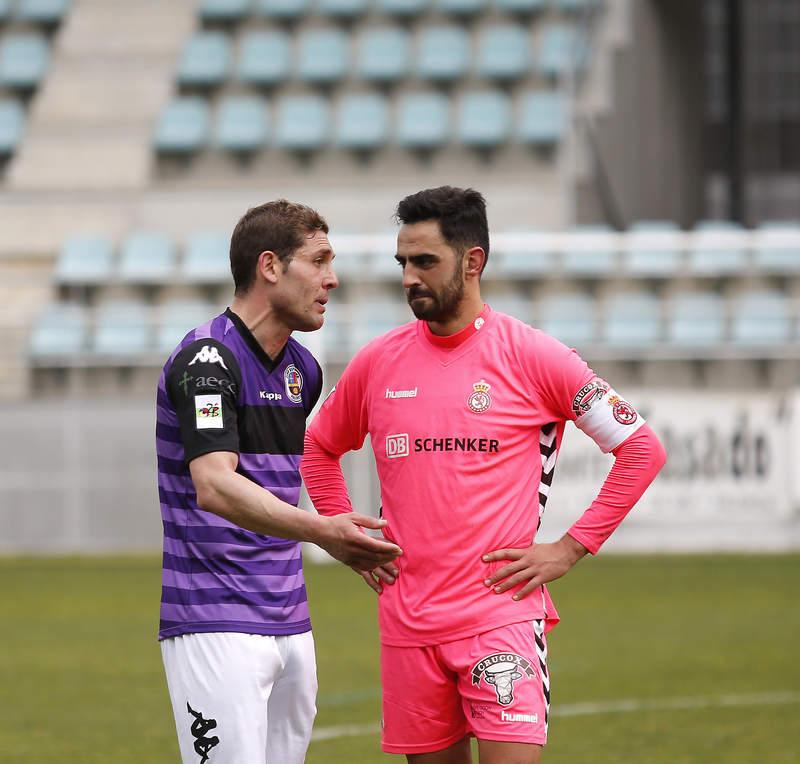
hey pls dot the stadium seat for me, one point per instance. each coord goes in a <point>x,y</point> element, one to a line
<point>653,248</point>
<point>443,53</point>
<point>543,117</point>
<point>24,58</point>
<point>590,250</point>
<point>632,319</point>
<point>5,11</point>
<point>353,253</point>
<point>85,260</point>
<point>382,54</point>
<point>761,317</point>
<point>574,6</point>
<point>503,52</point>
<point>322,56</point>
<point>776,247</point>
<point>561,50</point>
<point>568,316</point>
<point>522,254</point>
<point>60,331</point>
<point>224,10</point>
<point>46,12</point>
<point>122,328</point>
<point>183,127</point>
<point>423,120</point>
<point>522,6</point>
<point>461,7</point>
<point>147,258</point>
<point>264,57</point>
<point>207,258</point>
<point>717,248</point>
<point>205,60</point>
<point>402,8</point>
<point>483,119</point>
<point>176,318</point>
<point>344,9</point>
<point>696,318</point>
<point>12,126</point>
<point>241,124</point>
<point>512,305</point>
<point>282,10</point>
<point>373,316</point>
<point>362,122</point>
<point>302,123</point>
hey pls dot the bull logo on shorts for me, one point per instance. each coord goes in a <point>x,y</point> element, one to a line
<point>501,670</point>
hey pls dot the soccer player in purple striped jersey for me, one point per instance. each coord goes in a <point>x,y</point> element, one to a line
<point>232,404</point>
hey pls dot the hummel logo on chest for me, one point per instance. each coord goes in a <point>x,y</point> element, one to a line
<point>401,393</point>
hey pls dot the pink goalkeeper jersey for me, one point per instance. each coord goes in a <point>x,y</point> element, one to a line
<point>466,431</point>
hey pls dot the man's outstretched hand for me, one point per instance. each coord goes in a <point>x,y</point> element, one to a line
<point>342,537</point>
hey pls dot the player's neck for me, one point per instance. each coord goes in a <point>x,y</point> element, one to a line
<point>270,333</point>
<point>468,310</point>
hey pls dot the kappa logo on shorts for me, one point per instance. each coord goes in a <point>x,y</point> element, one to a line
<point>501,670</point>
<point>200,729</point>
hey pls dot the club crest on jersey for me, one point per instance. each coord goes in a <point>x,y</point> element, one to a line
<point>479,400</point>
<point>624,413</point>
<point>588,395</point>
<point>294,383</point>
<point>501,670</point>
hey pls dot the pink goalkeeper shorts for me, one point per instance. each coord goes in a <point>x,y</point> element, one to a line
<point>493,685</point>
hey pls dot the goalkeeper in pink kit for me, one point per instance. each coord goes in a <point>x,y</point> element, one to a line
<point>465,409</point>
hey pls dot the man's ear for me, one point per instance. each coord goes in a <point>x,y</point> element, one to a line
<point>475,259</point>
<point>269,266</point>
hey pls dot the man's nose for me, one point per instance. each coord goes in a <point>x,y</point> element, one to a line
<point>410,276</point>
<point>331,280</point>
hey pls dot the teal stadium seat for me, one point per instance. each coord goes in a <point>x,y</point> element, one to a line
<point>561,50</point>
<point>696,319</point>
<point>575,6</point>
<point>632,319</point>
<point>302,123</point>
<point>569,316</point>
<point>543,117</point>
<point>590,250</point>
<point>761,317</point>
<point>61,331</point>
<point>265,58</point>
<point>483,119</point>
<point>207,258</point>
<point>205,61</point>
<point>241,124</point>
<point>522,7</point>
<point>362,122</point>
<point>653,248</point>
<point>122,328</point>
<point>382,55</point>
<point>342,9</point>
<point>443,53</point>
<point>85,260</point>
<point>402,8</point>
<point>462,7</point>
<point>523,254</point>
<point>24,58</point>
<point>45,12</point>
<point>183,127</point>
<point>283,10</point>
<point>147,257</point>
<point>717,248</point>
<point>227,11</point>
<point>503,52</point>
<point>5,11</point>
<point>12,126</point>
<point>512,305</point>
<point>423,120</point>
<point>176,318</point>
<point>776,247</point>
<point>322,56</point>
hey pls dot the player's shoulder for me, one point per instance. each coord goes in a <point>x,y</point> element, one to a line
<point>390,341</point>
<point>204,354</point>
<point>520,331</point>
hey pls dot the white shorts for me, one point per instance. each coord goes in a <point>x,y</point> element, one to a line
<point>242,698</point>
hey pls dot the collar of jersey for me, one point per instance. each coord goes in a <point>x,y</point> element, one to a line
<point>252,342</point>
<point>452,341</point>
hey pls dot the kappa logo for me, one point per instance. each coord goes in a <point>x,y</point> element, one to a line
<point>208,355</point>
<point>397,445</point>
<point>200,729</point>
<point>479,401</point>
<point>501,670</point>
<point>293,380</point>
<point>265,395</point>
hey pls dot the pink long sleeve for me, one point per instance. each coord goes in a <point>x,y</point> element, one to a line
<point>638,461</point>
<point>322,473</point>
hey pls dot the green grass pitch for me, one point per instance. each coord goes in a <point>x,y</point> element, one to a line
<point>659,659</point>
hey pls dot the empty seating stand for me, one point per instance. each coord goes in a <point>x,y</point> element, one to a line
<point>569,316</point>
<point>543,118</point>
<point>696,319</point>
<point>362,122</point>
<point>227,11</point>
<point>85,260</point>
<point>205,61</point>
<point>443,53</point>
<point>48,13</point>
<point>383,55</point>
<point>122,328</point>
<point>265,58</point>
<point>147,258</point>
<point>183,127</point>
<point>302,123</point>
<point>241,124</point>
<point>206,260</point>
<point>12,126</point>
<point>59,335</point>
<point>484,119</point>
<point>503,52</point>
<point>24,59</point>
<point>423,120</point>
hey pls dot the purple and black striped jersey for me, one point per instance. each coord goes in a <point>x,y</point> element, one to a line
<point>219,391</point>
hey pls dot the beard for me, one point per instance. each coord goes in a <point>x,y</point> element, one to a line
<point>438,307</point>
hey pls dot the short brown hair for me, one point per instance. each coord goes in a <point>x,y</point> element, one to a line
<point>277,226</point>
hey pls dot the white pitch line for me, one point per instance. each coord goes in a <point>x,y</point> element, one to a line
<point>606,707</point>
